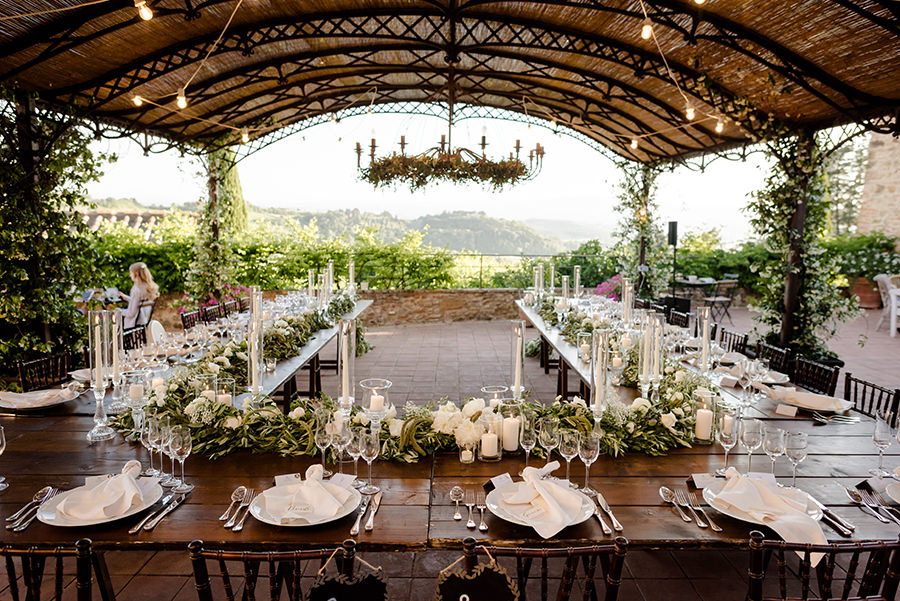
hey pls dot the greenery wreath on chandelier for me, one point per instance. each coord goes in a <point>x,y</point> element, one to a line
<point>459,166</point>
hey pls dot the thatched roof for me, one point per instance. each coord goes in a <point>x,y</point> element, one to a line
<point>810,63</point>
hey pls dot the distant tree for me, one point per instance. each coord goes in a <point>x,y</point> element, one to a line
<point>233,210</point>
<point>845,174</point>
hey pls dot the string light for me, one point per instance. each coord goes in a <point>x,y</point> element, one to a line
<point>689,112</point>
<point>137,100</point>
<point>720,126</point>
<point>699,1</point>
<point>245,136</point>
<point>634,143</point>
<point>143,10</point>
<point>181,99</point>
<point>647,29</point>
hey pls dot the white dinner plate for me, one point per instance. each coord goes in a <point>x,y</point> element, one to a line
<point>709,495</point>
<point>893,491</point>
<point>257,510</point>
<point>845,406</point>
<point>776,377</point>
<point>495,506</point>
<point>731,358</point>
<point>48,514</point>
<point>81,375</point>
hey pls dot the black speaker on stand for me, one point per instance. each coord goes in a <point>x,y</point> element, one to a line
<point>673,242</point>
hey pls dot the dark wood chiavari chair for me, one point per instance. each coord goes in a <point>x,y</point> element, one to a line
<point>659,308</point>
<point>610,557</point>
<point>869,398</point>
<point>134,338</point>
<point>640,303</point>
<point>44,372</point>
<point>779,358</point>
<point>677,318</point>
<point>189,319</point>
<point>244,303</point>
<point>285,569</point>
<point>33,561</point>
<point>880,562</point>
<point>733,342</point>
<point>815,376</point>
<point>713,329</point>
<point>230,307</point>
<point>210,313</point>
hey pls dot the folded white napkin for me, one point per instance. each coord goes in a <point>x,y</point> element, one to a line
<point>36,398</point>
<point>105,497</point>
<point>731,357</point>
<point>544,505</point>
<point>806,400</point>
<point>311,500</point>
<point>730,376</point>
<point>782,509</point>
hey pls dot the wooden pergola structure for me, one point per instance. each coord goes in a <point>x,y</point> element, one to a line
<point>251,70</point>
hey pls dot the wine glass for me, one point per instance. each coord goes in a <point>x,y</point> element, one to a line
<point>568,448</point>
<point>354,449</point>
<point>340,439</point>
<point>181,446</point>
<point>323,440</point>
<point>528,437</point>
<point>881,437</point>
<point>773,444</point>
<point>728,431</point>
<point>751,437</point>
<point>588,451</point>
<point>166,447</point>
<point>155,436</point>
<point>145,442</point>
<point>370,445</point>
<point>548,436</point>
<point>744,382</point>
<point>3,484</point>
<point>795,449</point>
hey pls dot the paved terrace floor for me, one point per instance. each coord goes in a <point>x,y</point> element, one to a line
<point>455,360</point>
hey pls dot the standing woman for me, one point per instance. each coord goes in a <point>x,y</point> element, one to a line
<point>143,294</point>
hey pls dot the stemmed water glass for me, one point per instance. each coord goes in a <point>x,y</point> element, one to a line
<point>340,440</point>
<point>528,438</point>
<point>166,447</point>
<point>881,437</point>
<point>145,442</point>
<point>588,451</point>
<point>568,448</point>
<point>370,445</point>
<point>549,434</point>
<point>154,438</point>
<point>354,449</point>
<point>795,449</point>
<point>181,446</point>
<point>744,381</point>
<point>728,431</point>
<point>751,437</point>
<point>3,484</point>
<point>773,444</point>
<point>323,440</point>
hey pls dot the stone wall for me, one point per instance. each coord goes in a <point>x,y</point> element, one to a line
<point>392,307</point>
<point>880,210</point>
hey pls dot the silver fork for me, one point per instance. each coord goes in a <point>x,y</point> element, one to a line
<point>240,525</point>
<point>876,504</point>
<point>29,516</point>
<point>887,506</point>
<point>245,502</point>
<point>470,505</point>
<point>837,417</point>
<point>482,505</point>
<point>696,506</point>
<point>682,501</point>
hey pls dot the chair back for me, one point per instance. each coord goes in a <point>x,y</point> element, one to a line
<point>44,372</point>
<point>210,313</point>
<point>815,376</point>
<point>779,358</point>
<point>733,342</point>
<point>866,570</point>
<point>189,319</point>
<point>726,288</point>
<point>869,398</point>
<point>611,559</point>
<point>677,318</point>
<point>284,570</point>
<point>230,307</point>
<point>884,286</point>
<point>145,314</point>
<point>659,308</point>
<point>640,303</point>
<point>134,338</point>
<point>33,561</point>
<point>244,303</point>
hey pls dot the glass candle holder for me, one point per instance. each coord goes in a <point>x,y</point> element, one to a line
<point>510,411</point>
<point>137,386</point>
<point>583,344</point>
<point>225,390</point>
<point>493,394</point>
<point>376,401</point>
<point>467,453</point>
<point>490,447</point>
<point>204,385</point>
<point>704,412</point>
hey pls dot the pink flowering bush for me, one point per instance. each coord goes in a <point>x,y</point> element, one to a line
<point>611,288</point>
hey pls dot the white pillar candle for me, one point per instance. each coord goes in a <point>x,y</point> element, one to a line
<point>703,424</point>
<point>98,357</point>
<point>115,346</point>
<point>209,394</point>
<point>617,362</point>
<point>157,382</point>
<point>489,444</point>
<point>345,366</point>
<point>494,403</point>
<point>552,283</point>
<point>585,351</point>
<point>376,403</point>
<point>466,456</point>
<point>510,433</point>
<point>577,283</point>
<point>351,276</point>
<point>520,349</point>
<point>626,341</point>
<point>136,392</point>
<point>727,424</point>
<point>225,399</point>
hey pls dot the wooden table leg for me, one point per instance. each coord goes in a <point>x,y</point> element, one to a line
<point>545,355</point>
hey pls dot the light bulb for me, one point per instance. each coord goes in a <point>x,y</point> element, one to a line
<point>181,99</point>
<point>720,126</point>
<point>646,29</point>
<point>689,112</point>
<point>699,1</point>
<point>143,10</point>
<point>245,136</point>
<point>137,100</point>
<point>634,143</point>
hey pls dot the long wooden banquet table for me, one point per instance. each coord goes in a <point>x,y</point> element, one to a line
<point>416,512</point>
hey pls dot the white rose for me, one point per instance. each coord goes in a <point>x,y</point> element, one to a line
<point>228,352</point>
<point>242,356</point>
<point>362,419</point>
<point>448,407</point>
<point>579,401</point>
<point>390,413</point>
<point>160,401</point>
<point>472,407</point>
<point>246,405</point>
<point>630,427</point>
<point>669,369</point>
<point>232,422</point>
<point>439,419</point>
<point>679,376</point>
<point>677,411</point>
<point>668,420</point>
<point>296,413</point>
<point>212,368</point>
<point>678,396</point>
<point>395,426</point>
<point>640,404</point>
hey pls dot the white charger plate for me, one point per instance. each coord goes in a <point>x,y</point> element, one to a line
<point>893,491</point>
<point>709,495</point>
<point>845,406</point>
<point>81,375</point>
<point>258,510</point>
<point>731,358</point>
<point>776,377</point>
<point>495,506</point>
<point>48,514</point>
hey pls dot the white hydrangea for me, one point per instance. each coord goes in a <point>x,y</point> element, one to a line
<point>200,411</point>
<point>446,422</point>
<point>472,407</point>
<point>395,426</point>
<point>467,433</point>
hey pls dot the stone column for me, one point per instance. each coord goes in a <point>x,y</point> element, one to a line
<point>880,209</point>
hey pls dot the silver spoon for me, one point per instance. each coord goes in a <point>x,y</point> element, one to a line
<point>668,495</point>
<point>35,500</point>
<point>456,494</point>
<point>857,498</point>
<point>236,497</point>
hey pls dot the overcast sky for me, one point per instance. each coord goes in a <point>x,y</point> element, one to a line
<point>315,170</point>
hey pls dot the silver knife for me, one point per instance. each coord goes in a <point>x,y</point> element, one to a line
<point>599,515</point>
<point>832,515</point>
<point>362,511</point>
<point>376,503</point>
<point>602,503</point>
<point>150,514</point>
<point>166,511</point>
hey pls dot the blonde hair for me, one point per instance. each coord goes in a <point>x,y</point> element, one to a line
<point>142,276</point>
